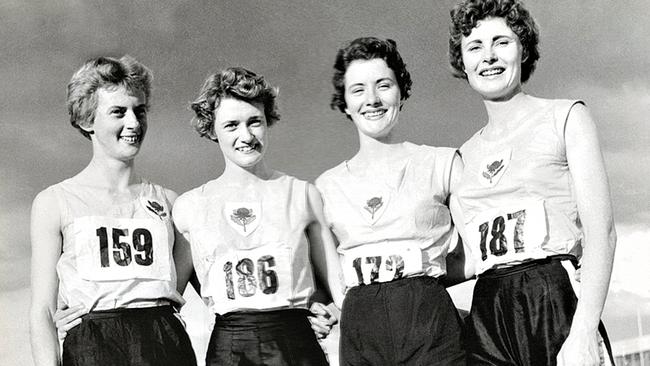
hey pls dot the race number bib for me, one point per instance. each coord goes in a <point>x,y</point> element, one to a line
<point>507,234</point>
<point>258,278</point>
<point>381,262</point>
<point>114,249</point>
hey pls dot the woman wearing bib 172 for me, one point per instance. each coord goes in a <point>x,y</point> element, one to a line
<point>254,233</point>
<point>388,208</point>
<point>534,192</point>
<point>103,240</point>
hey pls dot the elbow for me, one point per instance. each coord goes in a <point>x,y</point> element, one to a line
<point>612,237</point>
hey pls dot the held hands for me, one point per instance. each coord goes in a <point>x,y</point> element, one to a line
<point>322,320</point>
<point>68,318</point>
<point>581,348</point>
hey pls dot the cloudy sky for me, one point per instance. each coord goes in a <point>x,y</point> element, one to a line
<point>595,50</point>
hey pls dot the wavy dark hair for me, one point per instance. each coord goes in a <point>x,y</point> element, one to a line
<point>233,82</point>
<point>103,72</point>
<point>466,14</point>
<point>368,48</point>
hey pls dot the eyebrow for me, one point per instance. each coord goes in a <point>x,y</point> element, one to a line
<point>387,78</point>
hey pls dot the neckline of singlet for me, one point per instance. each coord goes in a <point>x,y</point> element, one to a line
<point>402,167</point>
<point>522,123</point>
<point>275,175</point>
<point>135,198</point>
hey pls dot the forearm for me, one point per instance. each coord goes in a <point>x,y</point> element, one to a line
<point>44,342</point>
<point>597,262</point>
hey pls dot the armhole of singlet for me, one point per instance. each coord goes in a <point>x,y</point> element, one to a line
<point>447,172</point>
<point>64,210</point>
<point>308,209</point>
<point>562,117</point>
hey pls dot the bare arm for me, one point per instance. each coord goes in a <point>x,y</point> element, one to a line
<point>323,249</point>
<point>595,210</point>
<point>182,249</point>
<point>46,250</point>
<point>459,267</point>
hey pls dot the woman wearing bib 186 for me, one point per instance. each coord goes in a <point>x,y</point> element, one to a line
<point>254,233</point>
<point>388,208</point>
<point>534,196</point>
<point>103,240</point>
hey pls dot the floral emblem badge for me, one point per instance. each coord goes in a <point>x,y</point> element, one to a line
<point>156,208</point>
<point>493,167</point>
<point>372,205</point>
<point>244,217</point>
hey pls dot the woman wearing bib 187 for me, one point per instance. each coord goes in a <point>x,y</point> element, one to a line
<point>254,233</point>
<point>534,193</point>
<point>103,240</point>
<point>388,208</point>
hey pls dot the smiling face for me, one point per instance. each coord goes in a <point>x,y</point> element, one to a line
<point>372,97</point>
<point>240,128</point>
<point>492,59</point>
<point>120,123</point>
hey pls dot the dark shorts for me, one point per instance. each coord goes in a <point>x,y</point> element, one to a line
<point>282,338</point>
<point>520,315</point>
<point>410,321</point>
<point>129,337</point>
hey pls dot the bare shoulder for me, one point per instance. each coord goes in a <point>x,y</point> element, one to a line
<point>171,195</point>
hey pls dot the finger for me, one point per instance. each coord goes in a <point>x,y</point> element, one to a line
<point>69,312</point>
<point>68,315</point>
<point>63,331</point>
<point>320,330</point>
<point>318,309</point>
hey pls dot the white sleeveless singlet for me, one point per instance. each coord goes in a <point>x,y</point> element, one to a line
<point>393,227</point>
<point>517,192</point>
<point>115,255</point>
<point>249,246</point>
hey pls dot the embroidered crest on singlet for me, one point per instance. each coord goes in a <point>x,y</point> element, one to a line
<point>244,217</point>
<point>506,234</point>
<point>493,167</point>
<point>258,278</point>
<point>373,205</point>
<point>370,203</point>
<point>154,207</point>
<point>380,262</point>
<point>113,249</point>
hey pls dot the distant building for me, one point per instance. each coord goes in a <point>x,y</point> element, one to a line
<point>632,352</point>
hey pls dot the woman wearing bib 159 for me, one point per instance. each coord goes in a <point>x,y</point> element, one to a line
<point>254,233</point>
<point>388,208</point>
<point>103,240</point>
<point>534,192</point>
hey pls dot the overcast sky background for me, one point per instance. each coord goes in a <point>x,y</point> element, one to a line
<point>595,50</point>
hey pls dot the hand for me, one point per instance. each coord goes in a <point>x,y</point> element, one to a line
<point>580,349</point>
<point>322,321</point>
<point>68,318</point>
<point>576,275</point>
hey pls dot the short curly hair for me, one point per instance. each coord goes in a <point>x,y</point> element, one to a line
<point>466,14</point>
<point>368,48</point>
<point>233,82</point>
<point>103,72</point>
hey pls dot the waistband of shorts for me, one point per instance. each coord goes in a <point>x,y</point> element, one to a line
<point>125,312</point>
<point>395,283</point>
<point>528,265</point>
<point>268,322</point>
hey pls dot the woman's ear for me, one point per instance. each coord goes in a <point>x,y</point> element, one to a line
<point>87,127</point>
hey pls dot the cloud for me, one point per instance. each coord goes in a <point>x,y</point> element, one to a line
<point>631,271</point>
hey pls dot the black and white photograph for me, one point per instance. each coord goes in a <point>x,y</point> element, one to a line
<point>309,183</point>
